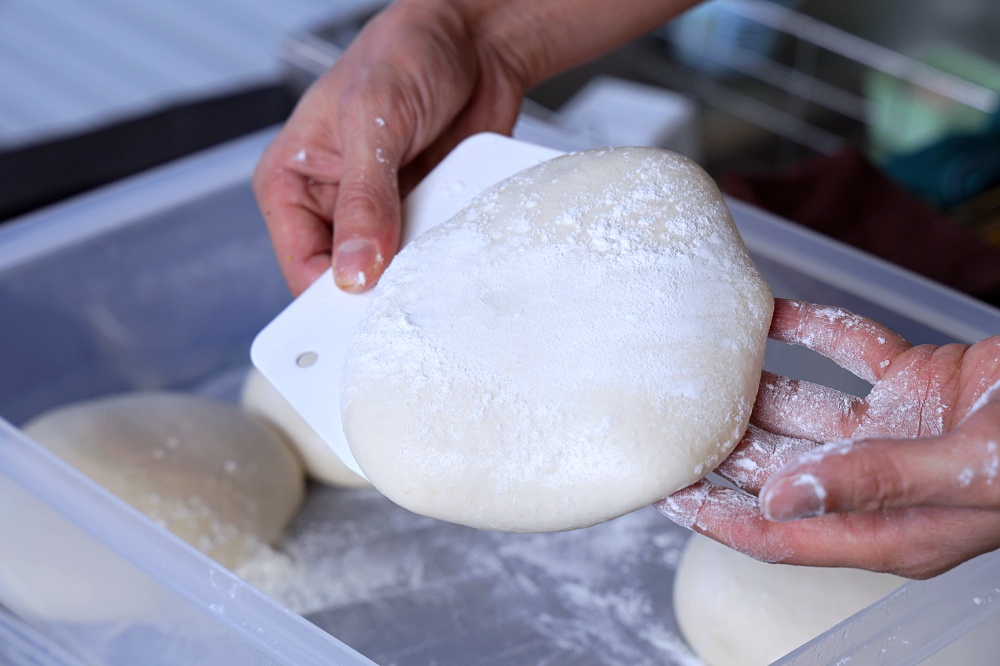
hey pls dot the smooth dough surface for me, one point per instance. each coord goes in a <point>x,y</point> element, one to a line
<point>736,611</point>
<point>261,398</point>
<point>53,570</point>
<point>582,339</point>
<point>210,473</point>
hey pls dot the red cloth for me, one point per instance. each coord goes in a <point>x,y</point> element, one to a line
<point>846,197</point>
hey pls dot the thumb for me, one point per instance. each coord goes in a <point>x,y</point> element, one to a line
<point>366,216</point>
<point>954,470</point>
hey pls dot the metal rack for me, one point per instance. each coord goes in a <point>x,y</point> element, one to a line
<point>804,89</point>
<point>762,107</point>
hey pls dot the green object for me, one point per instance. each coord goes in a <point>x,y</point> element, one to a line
<point>904,117</point>
<point>953,169</point>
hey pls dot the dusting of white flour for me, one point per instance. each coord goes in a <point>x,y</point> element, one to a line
<point>355,564</point>
<point>595,335</point>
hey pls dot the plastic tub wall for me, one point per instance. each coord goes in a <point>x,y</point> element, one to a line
<point>163,281</point>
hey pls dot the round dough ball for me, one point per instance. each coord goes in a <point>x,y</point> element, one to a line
<point>582,339</point>
<point>54,571</point>
<point>211,474</point>
<point>736,611</point>
<point>261,398</point>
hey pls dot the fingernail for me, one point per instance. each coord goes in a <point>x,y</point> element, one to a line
<point>354,264</point>
<point>793,497</point>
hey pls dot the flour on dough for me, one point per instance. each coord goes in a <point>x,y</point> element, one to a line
<point>211,474</point>
<point>582,339</point>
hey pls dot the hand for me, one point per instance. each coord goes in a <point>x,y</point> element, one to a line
<point>422,76</point>
<point>910,481</point>
<point>411,86</point>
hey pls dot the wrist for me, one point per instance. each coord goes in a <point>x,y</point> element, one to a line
<point>506,36</point>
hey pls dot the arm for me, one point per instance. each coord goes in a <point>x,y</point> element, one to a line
<point>422,76</point>
<point>910,482</point>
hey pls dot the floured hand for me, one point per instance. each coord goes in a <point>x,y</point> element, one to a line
<point>410,87</point>
<point>911,481</point>
<point>420,77</point>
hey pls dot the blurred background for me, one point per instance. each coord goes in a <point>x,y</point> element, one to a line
<point>874,123</point>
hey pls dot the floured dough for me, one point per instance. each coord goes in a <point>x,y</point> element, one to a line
<point>736,611</point>
<point>53,570</point>
<point>584,338</point>
<point>211,474</point>
<point>261,398</point>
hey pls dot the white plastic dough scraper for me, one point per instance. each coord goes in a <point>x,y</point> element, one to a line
<point>302,351</point>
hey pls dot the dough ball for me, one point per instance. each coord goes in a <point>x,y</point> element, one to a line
<point>52,570</point>
<point>582,339</point>
<point>736,611</point>
<point>211,474</point>
<point>261,398</point>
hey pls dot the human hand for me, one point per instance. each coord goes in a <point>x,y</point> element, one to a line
<point>416,81</point>
<point>422,76</point>
<point>909,482</point>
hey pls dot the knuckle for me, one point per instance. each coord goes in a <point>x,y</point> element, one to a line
<point>879,483</point>
<point>263,173</point>
<point>260,179</point>
<point>363,205</point>
<point>891,551</point>
<point>924,570</point>
<point>921,563</point>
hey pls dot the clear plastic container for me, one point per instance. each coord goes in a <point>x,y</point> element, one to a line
<point>163,281</point>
